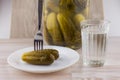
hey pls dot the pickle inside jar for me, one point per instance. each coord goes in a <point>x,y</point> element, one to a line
<point>75,11</point>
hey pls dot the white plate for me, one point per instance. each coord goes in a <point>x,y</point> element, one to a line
<point>67,58</point>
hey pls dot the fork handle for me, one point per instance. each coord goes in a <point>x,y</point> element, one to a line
<point>40,6</point>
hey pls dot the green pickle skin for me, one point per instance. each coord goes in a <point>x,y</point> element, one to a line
<point>41,57</point>
<point>63,22</point>
<point>53,29</point>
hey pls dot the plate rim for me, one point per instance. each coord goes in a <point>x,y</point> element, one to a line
<point>44,71</point>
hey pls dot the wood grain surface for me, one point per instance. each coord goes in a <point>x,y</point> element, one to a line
<point>24,18</point>
<point>110,71</point>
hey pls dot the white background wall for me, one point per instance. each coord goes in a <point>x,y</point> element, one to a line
<point>112,13</point>
<point>5,18</point>
<point>111,9</point>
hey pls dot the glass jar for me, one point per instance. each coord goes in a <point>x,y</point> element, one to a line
<point>62,22</point>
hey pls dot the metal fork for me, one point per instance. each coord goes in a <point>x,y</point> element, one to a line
<point>38,38</point>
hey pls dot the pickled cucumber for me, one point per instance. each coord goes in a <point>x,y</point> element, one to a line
<point>67,7</point>
<point>67,28</point>
<point>77,19</point>
<point>53,6</point>
<point>54,52</point>
<point>41,57</point>
<point>80,4</point>
<point>54,30</point>
<point>47,37</point>
<point>63,22</point>
<point>72,36</point>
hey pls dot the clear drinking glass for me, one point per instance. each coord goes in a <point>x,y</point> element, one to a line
<point>94,41</point>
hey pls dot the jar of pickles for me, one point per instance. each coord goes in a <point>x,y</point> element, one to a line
<point>62,22</point>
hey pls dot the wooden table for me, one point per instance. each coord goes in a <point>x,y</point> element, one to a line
<point>110,71</point>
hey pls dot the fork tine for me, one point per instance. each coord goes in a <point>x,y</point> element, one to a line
<point>38,45</point>
<point>34,45</point>
<point>41,44</point>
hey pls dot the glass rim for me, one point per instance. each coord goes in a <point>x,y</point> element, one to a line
<point>90,21</point>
